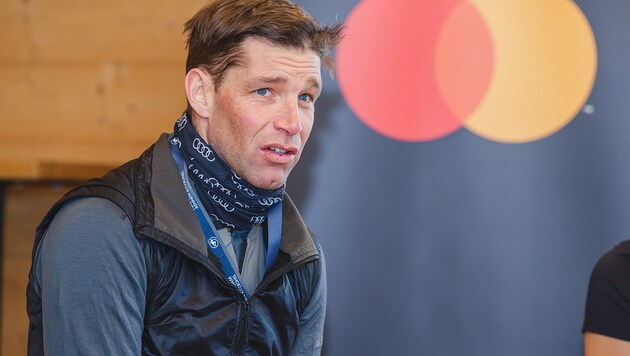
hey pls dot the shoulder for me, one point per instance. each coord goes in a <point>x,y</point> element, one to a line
<point>614,264</point>
<point>89,216</point>
<point>608,298</point>
<point>88,231</point>
<point>89,207</point>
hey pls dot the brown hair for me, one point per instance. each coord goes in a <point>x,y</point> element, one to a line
<point>217,31</point>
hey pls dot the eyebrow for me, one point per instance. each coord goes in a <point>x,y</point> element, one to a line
<point>281,80</point>
<point>315,83</point>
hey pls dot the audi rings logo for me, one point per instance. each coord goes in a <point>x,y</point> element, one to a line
<point>213,242</point>
<point>509,71</point>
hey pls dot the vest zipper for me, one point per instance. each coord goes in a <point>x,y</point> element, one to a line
<point>241,336</point>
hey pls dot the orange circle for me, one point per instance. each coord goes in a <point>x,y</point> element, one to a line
<point>545,67</point>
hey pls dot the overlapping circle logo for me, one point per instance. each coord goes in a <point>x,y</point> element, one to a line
<point>509,71</point>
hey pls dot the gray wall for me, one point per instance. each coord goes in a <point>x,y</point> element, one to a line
<point>462,245</point>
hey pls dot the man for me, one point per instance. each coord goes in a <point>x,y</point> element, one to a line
<point>194,248</point>
<point>607,317</point>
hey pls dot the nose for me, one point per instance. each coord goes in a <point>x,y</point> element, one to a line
<point>290,118</point>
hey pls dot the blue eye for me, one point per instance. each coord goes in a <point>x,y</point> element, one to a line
<point>305,97</point>
<point>262,91</point>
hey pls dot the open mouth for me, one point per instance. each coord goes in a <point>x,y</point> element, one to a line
<point>280,151</point>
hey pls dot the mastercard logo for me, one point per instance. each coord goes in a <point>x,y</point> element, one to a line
<point>509,71</point>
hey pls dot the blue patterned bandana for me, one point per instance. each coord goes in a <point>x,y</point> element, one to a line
<point>229,200</point>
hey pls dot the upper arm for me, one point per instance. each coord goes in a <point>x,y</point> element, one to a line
<point>601,345</point>
<point>92,277</point>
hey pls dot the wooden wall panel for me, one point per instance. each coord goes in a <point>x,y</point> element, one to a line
<point>81,114</point>
<point>89,31</point>
<point>87,83</point>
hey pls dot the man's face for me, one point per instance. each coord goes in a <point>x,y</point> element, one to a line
<point>262,114</point>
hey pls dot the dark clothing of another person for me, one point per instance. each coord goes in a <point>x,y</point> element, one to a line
<point>608,300</point>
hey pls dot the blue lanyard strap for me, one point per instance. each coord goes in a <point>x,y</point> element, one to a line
<point>274,225</point>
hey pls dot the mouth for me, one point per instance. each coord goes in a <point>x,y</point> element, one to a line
<point>281,150</point>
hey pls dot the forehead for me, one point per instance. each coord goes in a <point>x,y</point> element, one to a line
<point>259,58</point>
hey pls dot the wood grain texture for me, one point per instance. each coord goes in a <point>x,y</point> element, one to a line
<point>87,83</point>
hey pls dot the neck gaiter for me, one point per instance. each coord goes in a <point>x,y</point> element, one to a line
<point>229,200</point>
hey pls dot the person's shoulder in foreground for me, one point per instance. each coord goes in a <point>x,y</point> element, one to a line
<point>194,247</point>
<point>607,317</point>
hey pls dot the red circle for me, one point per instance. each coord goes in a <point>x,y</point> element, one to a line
<point>387,70</point>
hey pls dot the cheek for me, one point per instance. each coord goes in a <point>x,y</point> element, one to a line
<point>236,119</point>
<point>307,127</point>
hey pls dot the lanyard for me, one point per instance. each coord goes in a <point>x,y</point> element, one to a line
<point>274,226</point>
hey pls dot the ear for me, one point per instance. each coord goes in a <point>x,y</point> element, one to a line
<point>200,91</point>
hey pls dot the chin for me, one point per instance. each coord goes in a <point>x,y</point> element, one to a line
<point>266,179</point>
<point>271,184</point>
<point>270,179</point>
